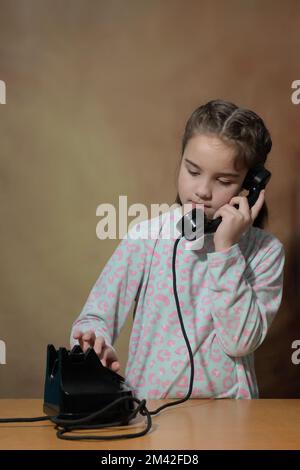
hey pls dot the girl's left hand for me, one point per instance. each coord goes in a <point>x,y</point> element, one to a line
<point>235,221</point>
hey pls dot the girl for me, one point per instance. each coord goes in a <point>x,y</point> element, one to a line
<point>229,289</point>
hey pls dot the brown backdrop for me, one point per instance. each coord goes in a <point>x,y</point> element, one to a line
<point>98,94</point>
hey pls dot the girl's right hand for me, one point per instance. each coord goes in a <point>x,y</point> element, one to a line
<point>105,353</point>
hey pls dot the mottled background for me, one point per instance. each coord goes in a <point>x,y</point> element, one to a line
<point>98,93</point>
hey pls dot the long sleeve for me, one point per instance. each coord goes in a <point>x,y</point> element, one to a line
<point>248,296</point>
<point>112,296</point>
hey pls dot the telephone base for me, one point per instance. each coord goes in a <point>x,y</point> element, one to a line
<point>77,385</point>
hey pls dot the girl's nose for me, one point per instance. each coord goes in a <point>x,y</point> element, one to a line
<point>203,193</point>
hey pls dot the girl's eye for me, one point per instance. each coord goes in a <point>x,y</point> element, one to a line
<point>194,173</point>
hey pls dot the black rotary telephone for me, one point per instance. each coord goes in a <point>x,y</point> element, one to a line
<point>255,180</point>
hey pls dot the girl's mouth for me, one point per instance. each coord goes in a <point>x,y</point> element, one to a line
<point>198,204</point>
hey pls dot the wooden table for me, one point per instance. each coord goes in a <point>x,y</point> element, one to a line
<point>195,424</point>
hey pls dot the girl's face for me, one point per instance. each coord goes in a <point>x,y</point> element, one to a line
<point>207,174</point>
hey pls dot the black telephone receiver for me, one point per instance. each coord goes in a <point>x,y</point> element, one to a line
<point>255,180</point>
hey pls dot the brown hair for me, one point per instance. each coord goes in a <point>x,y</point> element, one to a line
<point>239,126</point>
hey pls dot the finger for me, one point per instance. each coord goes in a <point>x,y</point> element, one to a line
<point>243,204</point>
<point>89,335</point>
<point>108,357</point>
<point>258,205</point>
<point>85,345</point>
<point>88,340</point>
<point>218,212</point>
<point>225,210</point>
<point>103,356</point>
<point>115,366</point>
<point>99,345</point>
<point>77,334</point>
<point>240,199</point>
